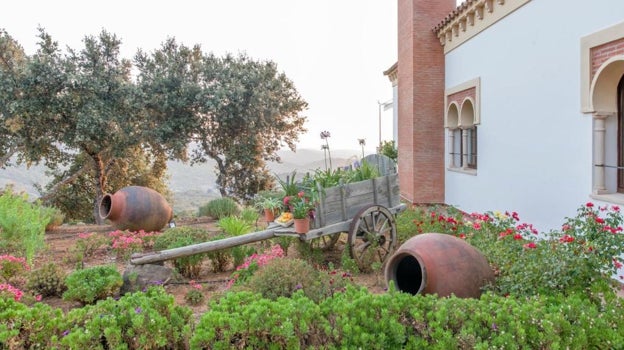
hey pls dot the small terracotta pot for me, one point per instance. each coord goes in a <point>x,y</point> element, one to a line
<point>436,263</point>
<point>269,215</point>
<point>302,226</point>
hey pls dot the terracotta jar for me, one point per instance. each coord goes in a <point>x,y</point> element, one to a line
<point>136,208</point>
<point>439,263</point>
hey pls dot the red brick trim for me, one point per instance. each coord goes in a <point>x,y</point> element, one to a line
<point>601,53</point>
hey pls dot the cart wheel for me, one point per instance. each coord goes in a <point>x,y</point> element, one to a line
<point>325,242</point>
<point>372,236</point>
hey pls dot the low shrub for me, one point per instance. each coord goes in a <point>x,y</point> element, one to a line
<point>29,327</point>
<point>283,277</point>
<point>141,320</point>
<point>194,296</point>
<point>220,208</point>
<point>92,284</point>
<point>358,319</point>
<point>176,237</point>
<point>48,280</point>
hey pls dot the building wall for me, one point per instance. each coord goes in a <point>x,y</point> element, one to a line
<point>421,99</point>
<point>534,144</point>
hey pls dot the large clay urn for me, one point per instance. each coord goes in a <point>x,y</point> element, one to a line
<point>435,263</point>
<point>136,208</point>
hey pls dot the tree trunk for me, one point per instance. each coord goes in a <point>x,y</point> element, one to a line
<point>99,188</point>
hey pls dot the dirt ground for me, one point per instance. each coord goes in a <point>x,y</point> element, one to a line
<point>61,240</point>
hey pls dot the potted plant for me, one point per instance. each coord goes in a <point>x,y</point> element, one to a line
<point>271,207</point>
<point>302,208</point>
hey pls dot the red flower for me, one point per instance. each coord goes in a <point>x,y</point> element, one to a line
<point>589,204</point>
<point>476,226</point>
<point>566,239</point>
<point>530,245</point>
<point>517,236</point>
<point>615,208</point>
<point>462,236</point>
<point>599,220</point>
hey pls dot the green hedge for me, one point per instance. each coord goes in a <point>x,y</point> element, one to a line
<point>350,320</point>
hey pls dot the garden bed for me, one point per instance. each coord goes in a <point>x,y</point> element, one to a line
<point>61,240</point>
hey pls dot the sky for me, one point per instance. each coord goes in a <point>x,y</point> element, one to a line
<point>335,51</point>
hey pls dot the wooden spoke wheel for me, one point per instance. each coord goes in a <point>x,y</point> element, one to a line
<point>372,236</point>
<point>325,242</point>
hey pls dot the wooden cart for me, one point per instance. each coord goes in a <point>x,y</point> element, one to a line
<point>365,210</point>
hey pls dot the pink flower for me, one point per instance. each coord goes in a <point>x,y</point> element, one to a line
<point>615,208</point>
<point>476,226</point>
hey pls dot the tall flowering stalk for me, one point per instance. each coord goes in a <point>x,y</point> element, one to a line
<point>362,143</point>
<point>325,135</point>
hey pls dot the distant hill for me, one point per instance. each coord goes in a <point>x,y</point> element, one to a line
<point>193,186</point>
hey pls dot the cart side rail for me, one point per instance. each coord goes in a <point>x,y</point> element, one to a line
<point>343,202</point>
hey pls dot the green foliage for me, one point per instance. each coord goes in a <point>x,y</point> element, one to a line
<point>283,277</point>
<point>189,266</point>
<point>271,203</point>
<point>22,225</point>
<point>240,111</point>
<point>24,327</point>
<point>287,323</point>
<point>194,297</point>
<point>388,149</point>
<point>234,226</point>
<point>148,320</point>
<point>219,259</point>
<point>56,217</point>
<point>361,172</point>
<point>220,208</point>
<point>48,280</point>
<point>358,319</point>
<point>92,284</point>
<point>249,215</point>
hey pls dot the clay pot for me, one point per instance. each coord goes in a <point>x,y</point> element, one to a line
<point>269,215</point>
<point>302,226</point>
<point>136,208</point>
<point>435,263</point>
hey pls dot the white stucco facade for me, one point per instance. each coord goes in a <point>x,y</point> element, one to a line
<point>535,143</point>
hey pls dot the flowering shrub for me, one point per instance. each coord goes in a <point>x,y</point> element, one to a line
<point>9,289</point>
<point>88,242</point>
<point>11,266</point>
<point>252,263</point>
<point>194,296</point>
<point>580,258</point>
<point>124,243</point>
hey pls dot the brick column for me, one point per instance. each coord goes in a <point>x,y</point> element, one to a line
<point>421,100</point>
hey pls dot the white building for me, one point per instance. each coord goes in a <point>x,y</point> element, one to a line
<point>511,105</point>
